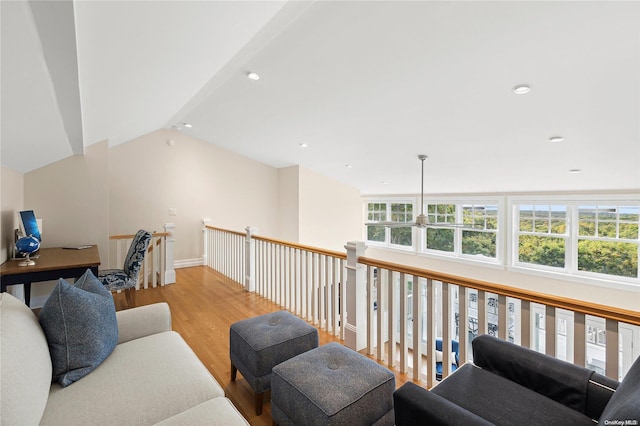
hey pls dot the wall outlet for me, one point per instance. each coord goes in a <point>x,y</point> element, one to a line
<point>172,211</point>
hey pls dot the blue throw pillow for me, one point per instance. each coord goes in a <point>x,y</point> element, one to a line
<point>80,324</point>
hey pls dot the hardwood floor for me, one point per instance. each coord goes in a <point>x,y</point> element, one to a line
<point>203,305</point>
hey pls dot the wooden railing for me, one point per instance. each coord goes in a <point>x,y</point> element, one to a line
<point>224,251</point>
<point>305,280</point>
<point>446,302</point>
<point>396,312</point>
<point>158,265</point>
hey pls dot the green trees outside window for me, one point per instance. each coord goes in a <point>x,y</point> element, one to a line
<point>376,212</point>
<point>543,230</point>
<point>608,240</point>
<point>597,239</point>
<point>546,251</point>
<point>606,257</point>
<point>479,243</point>
<point>605,240</point>
<point>440,239</point>
<point>402,212</point>
<point>479,239</point>
<point>396,212</point>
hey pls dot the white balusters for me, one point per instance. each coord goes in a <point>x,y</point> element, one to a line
<point>396,312</point>
<point>157,267</point>
<point>416,300</point>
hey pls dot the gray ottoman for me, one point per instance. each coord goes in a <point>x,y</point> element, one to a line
<point>257,344</point>
<point>332,385</point>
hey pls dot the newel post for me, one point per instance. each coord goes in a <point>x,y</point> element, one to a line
<point>205,253</point>
<point>356,303</point>
<point>169,269</point>
<point>250,259</point>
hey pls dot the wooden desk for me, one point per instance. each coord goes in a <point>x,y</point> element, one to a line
<point>52,263</point>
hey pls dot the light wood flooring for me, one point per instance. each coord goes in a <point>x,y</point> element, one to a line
<point>203,305</point>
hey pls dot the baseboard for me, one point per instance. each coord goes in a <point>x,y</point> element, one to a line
<point>187,263</point>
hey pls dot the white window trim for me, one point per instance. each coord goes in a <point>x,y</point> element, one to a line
<point>570,272</point>
<point>506,235</point>
<point>387,232</point>
<point>457,253</point>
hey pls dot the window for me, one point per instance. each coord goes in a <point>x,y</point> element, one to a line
<point>595,239</point>
<point>608,240</point>
<point>402,212</point>
<point>589,239</point>
<point>390,211</point>
<point>481,239</point>
<point>377,212</point>
<point>440,238</point>
<point>542,233</point>
<point>464,229</point>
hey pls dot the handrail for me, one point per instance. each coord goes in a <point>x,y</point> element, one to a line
<point>129,236</point>
<point>317,250</point>
<point>306,280</point>
<point>228,231</point>
<point>588,308</point>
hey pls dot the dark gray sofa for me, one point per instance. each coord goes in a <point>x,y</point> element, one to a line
<point>508,385</point>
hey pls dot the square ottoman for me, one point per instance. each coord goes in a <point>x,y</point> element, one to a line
<point>257,344</point>
<point>332,385</point>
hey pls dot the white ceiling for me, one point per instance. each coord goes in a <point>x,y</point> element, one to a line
<point>369,84</point>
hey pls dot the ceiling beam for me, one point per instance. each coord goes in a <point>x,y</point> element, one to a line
<point>55,23</point>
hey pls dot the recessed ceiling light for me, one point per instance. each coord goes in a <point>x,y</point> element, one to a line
<point>303,145</point>
<point>521,89</point>
<point>556,139</point>
<point>384,182</point>
<point>187,125</point>
<point>349,166</point>
<point>575,171</point>
<point>253,76</point>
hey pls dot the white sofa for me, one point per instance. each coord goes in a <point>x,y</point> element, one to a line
<point>151,377</point>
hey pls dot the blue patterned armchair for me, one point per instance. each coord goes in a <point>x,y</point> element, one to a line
<point>127,277</point>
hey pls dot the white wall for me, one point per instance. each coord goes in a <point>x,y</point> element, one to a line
<point>330,212</point>
<point>12,201</point>
<point>84,199</point>
<point>315,210</point>
<point>147,176</point>
<point>288,205</point>
<point>71,198</point>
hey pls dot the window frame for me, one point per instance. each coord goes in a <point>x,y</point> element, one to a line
<point>460,204</point>
<point>515,234</point>
<point>507,234</point>
<point>571,269</point>
<point>387,231</point>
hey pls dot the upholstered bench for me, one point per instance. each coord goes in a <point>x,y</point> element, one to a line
<point>257,344</point>
<point>332,385</point>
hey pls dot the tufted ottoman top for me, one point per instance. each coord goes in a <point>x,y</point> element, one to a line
<point>261,342</point>
<point>332,384</point>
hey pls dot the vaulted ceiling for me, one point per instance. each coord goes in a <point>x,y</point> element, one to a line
<point>365,86</point>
